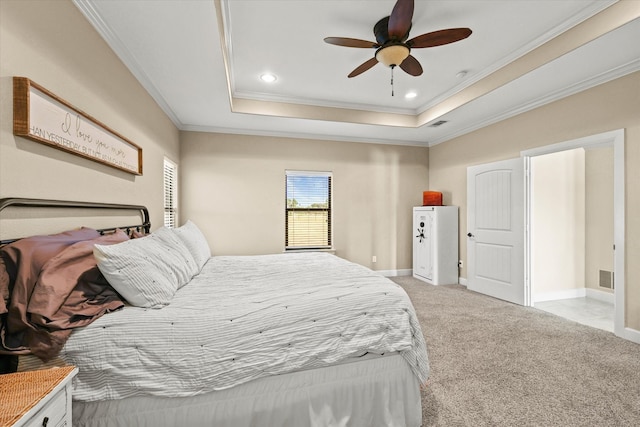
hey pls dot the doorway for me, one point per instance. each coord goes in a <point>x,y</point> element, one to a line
<point>583,261</point>
<point>571,228</point>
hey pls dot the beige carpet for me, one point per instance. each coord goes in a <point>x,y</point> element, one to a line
<point>498,364</point>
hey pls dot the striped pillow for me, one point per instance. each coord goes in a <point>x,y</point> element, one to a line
<point>195,241</point>
<point>147,271</point>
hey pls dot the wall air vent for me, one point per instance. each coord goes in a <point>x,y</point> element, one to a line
<point>606,279</point>
<point>438,123</point>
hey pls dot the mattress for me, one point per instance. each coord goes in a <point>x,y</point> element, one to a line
<point>246,318</point>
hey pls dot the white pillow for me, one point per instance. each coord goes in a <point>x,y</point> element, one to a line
<point>193,239</point>
<point>147,271</point>
<point>169,237</point>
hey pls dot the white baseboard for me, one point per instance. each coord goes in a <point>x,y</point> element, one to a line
<point>632,335</point>
<point>557,295</point>
<point>575,293</point>
<point>607,297</point>
<point>394,273</point>
<point>409,272</point>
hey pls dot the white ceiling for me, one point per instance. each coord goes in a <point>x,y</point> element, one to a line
<point>201,61</point>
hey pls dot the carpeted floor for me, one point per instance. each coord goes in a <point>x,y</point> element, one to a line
<point>498,364</point>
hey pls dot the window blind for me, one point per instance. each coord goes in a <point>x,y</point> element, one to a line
<point>308,211</point>
<point>170,193</point>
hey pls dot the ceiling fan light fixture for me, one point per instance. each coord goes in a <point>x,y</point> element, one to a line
<point>392,55</point>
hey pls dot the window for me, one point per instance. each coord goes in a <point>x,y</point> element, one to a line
<point>308,212</point>
<point>170,193</point>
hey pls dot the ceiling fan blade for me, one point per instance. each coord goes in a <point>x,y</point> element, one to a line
<point>400,19</point>
<point>438,38</point>
<point>345,41</point>
<point>364,67</point>
<point>411,66</point>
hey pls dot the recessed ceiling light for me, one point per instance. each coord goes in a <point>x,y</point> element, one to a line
<point>411,95</point>
<point>462,74</point>
<point>268,78</point>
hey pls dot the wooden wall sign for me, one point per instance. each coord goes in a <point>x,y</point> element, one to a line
<point>43,117</point>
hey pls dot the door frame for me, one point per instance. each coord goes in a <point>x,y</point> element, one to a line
<point>616,139</point>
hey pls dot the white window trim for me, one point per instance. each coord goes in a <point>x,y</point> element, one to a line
<point>168,163</point>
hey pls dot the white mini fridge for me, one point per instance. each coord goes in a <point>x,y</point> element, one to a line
<point>435,244</point>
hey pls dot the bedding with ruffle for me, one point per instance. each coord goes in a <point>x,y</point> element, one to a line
<point>243,318</point>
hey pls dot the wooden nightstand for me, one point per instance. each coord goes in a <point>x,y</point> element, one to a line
<point>37,398</point>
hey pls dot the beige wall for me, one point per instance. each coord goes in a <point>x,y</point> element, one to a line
<point>232,186</point>
<point>610,106</point>
<point>557,224</point>
<point>51,43</point>
<point>632,221</point>
<point>599,214</point>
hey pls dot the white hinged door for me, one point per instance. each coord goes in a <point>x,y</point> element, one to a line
<point>495,225</point>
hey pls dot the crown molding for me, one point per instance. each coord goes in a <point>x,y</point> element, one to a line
<point>621,71</point>
<point>301,135</point>
<point>87,8</point>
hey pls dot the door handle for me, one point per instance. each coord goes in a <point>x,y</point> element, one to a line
<point>469,235</point>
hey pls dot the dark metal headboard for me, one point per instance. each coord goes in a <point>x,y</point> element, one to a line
<point>44,203</point>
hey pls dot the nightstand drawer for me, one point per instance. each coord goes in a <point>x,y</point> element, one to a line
<point>53,414</point>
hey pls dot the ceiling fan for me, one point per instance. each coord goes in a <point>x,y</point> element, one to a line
<point>392,46</point>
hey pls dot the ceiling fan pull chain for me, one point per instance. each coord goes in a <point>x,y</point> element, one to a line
<point>392,67</point>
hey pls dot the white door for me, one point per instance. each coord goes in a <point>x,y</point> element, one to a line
<point>495,226</point>
<point>423,244</point>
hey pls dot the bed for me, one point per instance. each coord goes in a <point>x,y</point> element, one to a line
<point>292,339</point>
